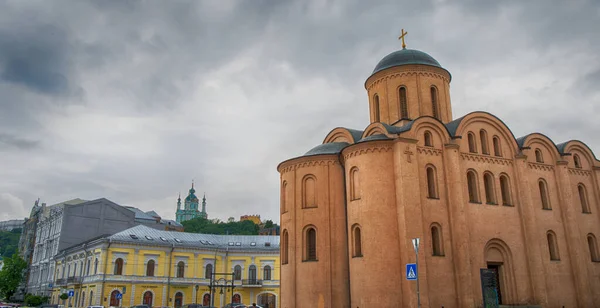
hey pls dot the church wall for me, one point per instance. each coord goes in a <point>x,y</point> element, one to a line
<point>372,285</point>
<point>329,273</point>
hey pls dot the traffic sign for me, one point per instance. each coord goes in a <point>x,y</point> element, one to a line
<point>415,242</point>
<point>119,296</point>
<point>71,293</point>
<point>411,271</point>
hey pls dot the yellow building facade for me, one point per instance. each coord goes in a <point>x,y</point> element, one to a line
<point>169,269</point>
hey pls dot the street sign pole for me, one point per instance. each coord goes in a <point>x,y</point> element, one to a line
<point>415,242</point>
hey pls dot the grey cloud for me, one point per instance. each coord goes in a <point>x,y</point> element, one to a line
<point>10,141</point>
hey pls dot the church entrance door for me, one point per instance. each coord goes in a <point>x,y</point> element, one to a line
<point>496,267</point>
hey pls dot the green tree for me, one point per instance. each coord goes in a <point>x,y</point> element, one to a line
<point>268,224</point>
<point>64,296</point>
<point>11,275</point>
<point>35,300</point>
<point>202,225</point>
<point>9,241</point>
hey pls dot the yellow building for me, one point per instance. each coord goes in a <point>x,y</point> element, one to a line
<point>169,269</point>
<point>253,218</point>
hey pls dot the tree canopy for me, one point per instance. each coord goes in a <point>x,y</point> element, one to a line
<point>203,225</point>
<point>11,275</point>
<point>9,242</point>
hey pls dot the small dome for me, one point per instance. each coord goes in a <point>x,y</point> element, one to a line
<point>404,57</point>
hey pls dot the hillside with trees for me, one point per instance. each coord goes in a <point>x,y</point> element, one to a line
<point>9,242</point>
<point>203,225</point>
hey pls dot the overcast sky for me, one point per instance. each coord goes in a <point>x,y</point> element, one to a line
<point>131,100</point>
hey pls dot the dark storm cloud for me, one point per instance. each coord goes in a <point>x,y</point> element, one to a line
<point>131,100</point>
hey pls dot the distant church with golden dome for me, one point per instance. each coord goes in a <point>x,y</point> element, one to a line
<point>523,210</point>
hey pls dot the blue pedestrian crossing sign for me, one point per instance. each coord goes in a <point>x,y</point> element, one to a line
<point>411,271</point>
<point>71,293</point>
<point>119,296</point>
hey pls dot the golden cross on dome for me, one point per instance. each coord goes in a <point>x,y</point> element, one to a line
<point>402,38</point>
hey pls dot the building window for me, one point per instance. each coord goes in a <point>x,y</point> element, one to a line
<point>583,199</point>
<point>150,268</point>
<point>310,253</point>
<point>178,300</point>
<point>118,266</point>
<point>490,189</point>
<point>354,184</point>
<point>96,267</point>
<point>376,108</point>
<point>593,246</point>
<point>544,195</point>
<point>497,147</point>
<point>553,246</point>
<point>74,270</point>
<point>437,243</point>
<point>538,156</point>
<point>114,301</point>
<point>284,251</point>
<point>252,273</point>
<point>87,267</point>
<point>267,272</point>
<point>431,183</point>
<point>283,197</point>
<point>147,298</point>
<point>208,271</point>
<point>484,142</point>
<point>180,269</point>
<point>434,103</point>
<point>472,143</point>
<point>505,190</point>
<point>428,139</point>
<point>91,298</point>
<point>403,103</point>
<point>309,191</point>
<point>237,272</point>
<point>356,242</point>
<point>577,161</point>
<point>472,186</point>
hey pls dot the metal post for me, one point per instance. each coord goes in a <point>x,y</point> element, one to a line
<point>418,270</point>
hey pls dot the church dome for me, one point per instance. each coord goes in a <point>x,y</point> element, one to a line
<point>406,57</point>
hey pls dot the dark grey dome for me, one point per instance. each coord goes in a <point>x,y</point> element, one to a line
<point>404,57</point>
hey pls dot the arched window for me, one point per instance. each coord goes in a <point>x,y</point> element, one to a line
<point>237,272</point>
<point>538,156</point>
<point>354,184</point>
<point>428,139</point>
<point>484,142</point>
<point>252,273</point>
<point>472,143</point>
<point>284,246</point>
<point>283,195</point>
<point>114,301</point>
<point>74,270</point>
<point>91,298</point>
<point>376,108</point>
<point>403,103</point>
<point>577,161</point>
<point>208,271</point>
<point>119,266</point>
<point>583,199</point>
<point>434,103</point>
<point>437,244</point>
<point>96,267</point>
<point>472,185</point>
<point>593,246</point>
<point>505,190</point>
<point>310,253</point>
<point>497,147</point>
<point>356,242</point>
<point>87,267</point>
<point>553,246</point>
<point>150,268</point>
<point>544,195</point>
<point>431,183</point>
<point>309,191</point>
<point>490,189</point>
<point>178,300</point>
<point>267,272</point>
<point>180,269</point>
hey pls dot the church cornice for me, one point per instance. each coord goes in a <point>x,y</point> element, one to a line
<point>429,151</point>
<point>402,71</point>
<point>540,166</point>
<point>486,159</point>
<point>308,161</point>
<point>576,171</point>
<point>365,148</point>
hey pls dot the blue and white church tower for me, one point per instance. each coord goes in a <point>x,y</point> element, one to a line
<point>190,207</point>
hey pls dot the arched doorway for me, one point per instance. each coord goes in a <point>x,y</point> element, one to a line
<point>267,300</point>
<point>147,299</point>
<point>236,299</point>
<point>206,300</point>
<point>114,301</point>
<point>498,258</point>
<point>178,299</point>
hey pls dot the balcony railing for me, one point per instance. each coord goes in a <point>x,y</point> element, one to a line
<point>74,280</point>
<point>61,282</point>
<point>252,282</point>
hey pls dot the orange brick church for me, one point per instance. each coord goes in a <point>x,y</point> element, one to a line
<point>523,209</point>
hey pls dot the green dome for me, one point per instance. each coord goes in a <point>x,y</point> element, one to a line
<point>406,57</point>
